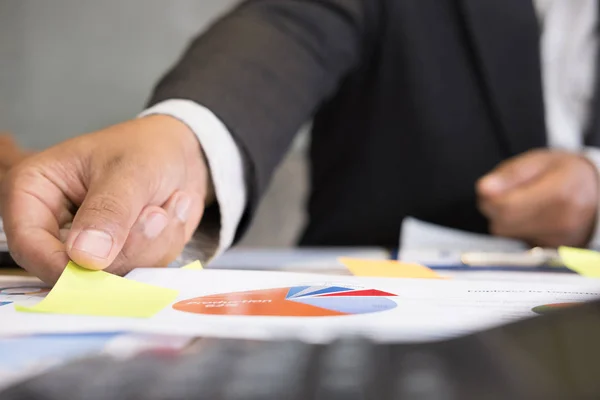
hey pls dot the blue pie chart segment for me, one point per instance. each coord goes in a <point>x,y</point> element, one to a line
<point>327,290</point>
<point>306,290</point>
<point>295,290</point>
<point>349,305</point>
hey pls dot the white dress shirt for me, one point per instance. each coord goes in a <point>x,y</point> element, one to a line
<point>568,49</point>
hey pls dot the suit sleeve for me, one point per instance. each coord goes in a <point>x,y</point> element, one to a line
<point>264,69</point>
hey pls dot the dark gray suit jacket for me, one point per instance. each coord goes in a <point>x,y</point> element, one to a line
<point>413,101</point>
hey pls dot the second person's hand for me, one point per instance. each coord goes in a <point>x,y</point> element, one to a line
<point>545,197</point>
<point>133,194</point>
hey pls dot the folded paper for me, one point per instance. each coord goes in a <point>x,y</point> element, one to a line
<point>584,262</point>
<point>197,265</point>
<point>388,269</point>
<point>81,291</point>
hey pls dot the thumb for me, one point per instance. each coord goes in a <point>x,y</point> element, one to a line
<point>513,173</point>
<point>103,222</point>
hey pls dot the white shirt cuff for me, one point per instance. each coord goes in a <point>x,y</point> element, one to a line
<point>224,161</point>
<point>593,155</point>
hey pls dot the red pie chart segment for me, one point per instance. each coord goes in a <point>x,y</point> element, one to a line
<point>326,290</point>
<point>350,305</point>
<point>359,293</point>
<point>306,290</point>
<point>284,302</point>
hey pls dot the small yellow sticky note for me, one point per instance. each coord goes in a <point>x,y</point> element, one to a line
<point>388,269</point>
<point>81,291</point>
<point>584,262</point>
<point>195,265</point>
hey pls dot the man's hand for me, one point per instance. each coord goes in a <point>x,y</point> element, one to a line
<point>10,154</point>
<point>134,193</point>
<point>546,198</point>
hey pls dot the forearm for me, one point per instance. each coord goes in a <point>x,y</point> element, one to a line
<point>265,68</point>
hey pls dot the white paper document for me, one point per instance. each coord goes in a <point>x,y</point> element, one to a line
<point>269,305</point>
<point>306,258</point>
<point>3,243</point>
<point>420,235</point>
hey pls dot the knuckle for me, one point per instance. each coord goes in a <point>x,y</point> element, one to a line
<point>579,203</point>
<point>106,209</point>
<point>22,178</point>
<point>586,195</point>
<point>115,162</point>
<point>16,176</point>
<point>570,211</point>
<point>133,168</point>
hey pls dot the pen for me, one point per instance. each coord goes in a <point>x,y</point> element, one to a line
<point>506,268</point>
<point>535,257</point>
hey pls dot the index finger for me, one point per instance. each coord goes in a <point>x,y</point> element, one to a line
<point>514,173</point>
<point>33,210</point>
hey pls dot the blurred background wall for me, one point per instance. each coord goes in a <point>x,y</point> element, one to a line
<point>72,66</point>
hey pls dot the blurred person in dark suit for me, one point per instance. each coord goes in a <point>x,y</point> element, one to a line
<point>478,115</point>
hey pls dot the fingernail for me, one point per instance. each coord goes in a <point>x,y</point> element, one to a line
<point>154,224</point>
<point>182,207</point>
<point>94,242</point>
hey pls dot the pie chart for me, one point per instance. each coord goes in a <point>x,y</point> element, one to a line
<point>549,308</point>
<point>24,291</point>
<point>296,301</point>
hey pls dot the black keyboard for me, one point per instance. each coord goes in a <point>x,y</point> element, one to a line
<point>551,357</point>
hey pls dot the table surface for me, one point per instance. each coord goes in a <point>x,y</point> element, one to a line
<point>323,260</point>
<point>319,260</point>
<point>13,272</point>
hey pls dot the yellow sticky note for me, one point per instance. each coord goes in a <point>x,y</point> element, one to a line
<point>388,269</point>
<point>81,291</point>
<point>195,265</point>
<point>584,262</point>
